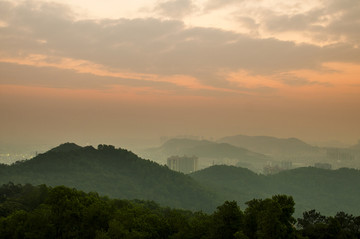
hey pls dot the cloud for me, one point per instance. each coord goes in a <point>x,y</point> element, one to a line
<point>58,78</point>
<point>292,80</point>
<point>332,21</point>
<point>217,4</point>
<point>152,46</point>
<point>52,77</point>
<point>175,8</point>
<point>249,23</point>
<point>297,22</point>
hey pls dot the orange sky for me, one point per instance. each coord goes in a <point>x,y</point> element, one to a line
<point>69,72</point>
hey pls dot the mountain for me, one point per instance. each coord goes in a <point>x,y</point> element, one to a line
<point>209,153</point>
<point>327,191</point>
<point>233,183</point>
<point>269,145</point>
<point>291,150</point>
<point>66,147</point>
<point>113,172</point>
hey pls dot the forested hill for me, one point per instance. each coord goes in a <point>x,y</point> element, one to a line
<point>328,191</point>
<point>114,172</point>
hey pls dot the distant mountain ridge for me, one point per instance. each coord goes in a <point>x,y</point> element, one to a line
<point>208,150</point>
<point>270,145</point>
<point>114,172</point>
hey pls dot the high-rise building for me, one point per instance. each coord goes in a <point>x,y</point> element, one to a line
<point>183,164</point>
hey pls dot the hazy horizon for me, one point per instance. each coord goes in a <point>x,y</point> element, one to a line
<point>137,145</point>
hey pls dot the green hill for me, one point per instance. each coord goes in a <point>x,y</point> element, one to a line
<point>113,172</point>
<point>327,191</point>
<point>233,183</point>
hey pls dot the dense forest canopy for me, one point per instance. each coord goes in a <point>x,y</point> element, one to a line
<point>28,211</point>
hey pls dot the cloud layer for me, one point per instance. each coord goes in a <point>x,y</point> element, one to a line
<point>168,47</point>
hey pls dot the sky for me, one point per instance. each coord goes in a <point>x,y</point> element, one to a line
<point>130,72</point>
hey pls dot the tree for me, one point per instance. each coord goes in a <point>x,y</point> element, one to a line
<point>227,220</point>
<point>66,208</point>
<point>270,218</point>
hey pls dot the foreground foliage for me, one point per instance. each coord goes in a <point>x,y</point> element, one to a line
<point>28,211</point>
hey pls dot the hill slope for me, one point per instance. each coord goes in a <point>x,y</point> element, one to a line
<point>327,191</point>
<point>109,171</point>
